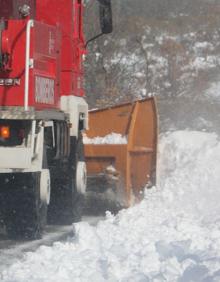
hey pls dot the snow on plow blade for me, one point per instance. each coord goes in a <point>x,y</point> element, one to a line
<point>121,148</point>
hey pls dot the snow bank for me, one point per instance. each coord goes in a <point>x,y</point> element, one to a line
<point>172,235</point>
<point>112,138</point>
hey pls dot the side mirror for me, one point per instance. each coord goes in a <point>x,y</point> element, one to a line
<point>105,14</point>
<point>105,17</point>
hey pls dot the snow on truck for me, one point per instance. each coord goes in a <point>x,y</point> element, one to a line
<point>43,113</point>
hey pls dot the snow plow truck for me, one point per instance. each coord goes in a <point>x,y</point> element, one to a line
<point>44,167</point>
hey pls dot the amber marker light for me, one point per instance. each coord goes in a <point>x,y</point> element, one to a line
<point>5,132</point>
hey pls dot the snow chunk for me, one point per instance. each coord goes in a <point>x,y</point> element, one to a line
<point>139,74</point>
<point>112,138</point>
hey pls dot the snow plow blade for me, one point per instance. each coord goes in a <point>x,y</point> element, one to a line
<point>122,168</point>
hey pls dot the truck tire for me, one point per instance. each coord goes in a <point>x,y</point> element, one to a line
<point>24,213</point>
<point>66,202</point>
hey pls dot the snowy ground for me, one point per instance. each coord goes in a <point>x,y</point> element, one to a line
<point>172,235</point>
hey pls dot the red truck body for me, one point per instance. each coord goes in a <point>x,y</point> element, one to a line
<point>42,112</point>
<point>56,49</point>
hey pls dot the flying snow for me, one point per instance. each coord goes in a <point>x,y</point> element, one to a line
<point>172,235</point>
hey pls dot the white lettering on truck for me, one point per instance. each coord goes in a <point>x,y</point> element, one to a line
<point>44,90</point>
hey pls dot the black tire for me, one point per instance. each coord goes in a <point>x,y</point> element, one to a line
<point>24,212</point>
<point>65,202</point>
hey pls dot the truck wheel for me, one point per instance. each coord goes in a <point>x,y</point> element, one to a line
<point>25,213</point>
<point>66,202</point>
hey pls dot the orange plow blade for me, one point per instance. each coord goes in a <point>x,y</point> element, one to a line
<point>128,163</point>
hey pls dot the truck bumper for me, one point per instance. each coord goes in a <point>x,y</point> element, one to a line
<point>14,158</point>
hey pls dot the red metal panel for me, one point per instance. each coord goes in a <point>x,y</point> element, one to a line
<point>14,95</point>
<point>57,47</point>
<point>6,10</point>
<point>68,14</point>
<point>45,77</point>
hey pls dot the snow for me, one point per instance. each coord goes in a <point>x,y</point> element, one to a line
<point>128,60</point>
<point>203,46</point>
<point>214,91</point>
<point>172,235</point>
<point>201,63</point>
<point>123,42</point>
<point>112,138</point>
<point>144,92</point>
<point>98,56</point>
<point>139,74</point>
